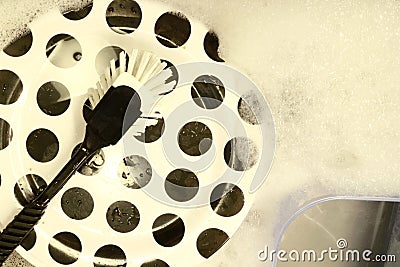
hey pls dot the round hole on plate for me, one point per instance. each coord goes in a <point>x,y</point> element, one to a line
<point>172,29</point>
<point>168,230</point>
<point>110,256</point>
<point>28,187</point>
<point>181,185</point>
<point>77,203</point>
<point>78,13</point>
<point>10,87</point>
<point>65,248</point>
<point>123,16</point>
<point>152,133</point>
<point>42,145</point>
<point>175,75</point>
<point>210,241</point>
<point>135,172</point>
<point>20,46</point>
<point>94,165</point>
<point>208,92</point>
<point>155,263</point>
<point>29,241</point>
<point>240,153</point>
<point>60,50</point>
<point>123,216</point>
<point>103,58</point>
<point>53,98</point>
<point>211,46</point>
<point>6,134</point>
<point>251,109</point>
<point>195,138</point>
<point>227,200</point>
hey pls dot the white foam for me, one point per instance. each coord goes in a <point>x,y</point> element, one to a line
<point>16,15</point>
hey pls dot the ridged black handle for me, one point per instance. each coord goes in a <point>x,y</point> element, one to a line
<point>16,231</point>
<point>23,223</point>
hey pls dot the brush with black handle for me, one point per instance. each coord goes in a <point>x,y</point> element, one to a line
<point>115,110</point>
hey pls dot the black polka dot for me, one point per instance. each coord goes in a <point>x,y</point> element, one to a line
<point>110,256</point>
<point>60,50</point>
<point>195,138</point>
<point>94,165</point>
<point>175,75</point>
<point>53,98</point>
<point>211,46</point>
<point>208,92</point>
<point>65,248</point>
<point>20,46</point>
<point>181,185</point>
<point>241,154</point>
<point>123,216</point>
<point>210,241</point>
<point>135,172</point>
<point>29,242</point>
<point>155,263</point>
<point>6,134</point>
<point>28,187</point>
<point>77,203</point>
<point>10,87</point>
<point>227,200</point>
<point>172,29</point>
<point>80,13</point>
<point>152,133</point>
<point>252,109</point>
<point>42,145</point>
<point>168,230</point>
<point>123,16</point>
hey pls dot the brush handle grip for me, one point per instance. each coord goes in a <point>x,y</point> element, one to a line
<point>16,231</point>
<point>30,215</point>
<point>77,160</point>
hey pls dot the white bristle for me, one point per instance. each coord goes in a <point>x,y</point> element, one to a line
<point>158,69</point>
<point>152,66</point>
<point>122,62</point>
<point>108,77</point>
<point>146,77</point>
<point>142,66</point>
<point>132,59</point>
<point>141,123</point>
<point>152,116</point>
<point>103,83</point>
<point>94,96</point>
<point>114,73</point>
<point>100,90</point>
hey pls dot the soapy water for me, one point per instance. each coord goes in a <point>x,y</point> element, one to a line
<point>329,70</point>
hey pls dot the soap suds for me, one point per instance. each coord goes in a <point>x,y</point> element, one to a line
<point>15,16</point>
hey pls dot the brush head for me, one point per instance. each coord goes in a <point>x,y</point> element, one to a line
<point>116,112</point>
<point>141,66</point>
<point>143,71</point>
